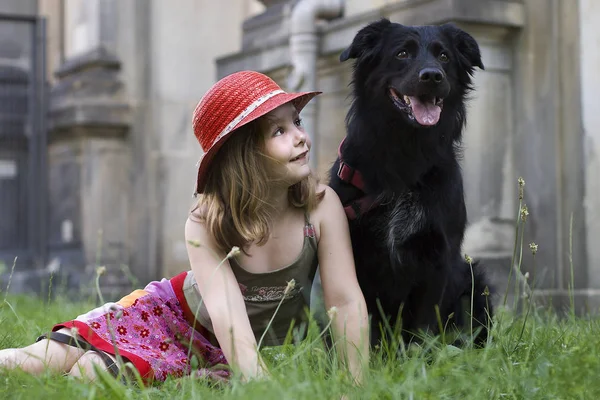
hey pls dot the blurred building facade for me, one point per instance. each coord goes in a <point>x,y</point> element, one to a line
<point>117,163</point>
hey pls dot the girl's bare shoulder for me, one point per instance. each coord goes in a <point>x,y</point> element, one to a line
<point>196,230</point>
<point>330,198</point>
<point>329,208</point>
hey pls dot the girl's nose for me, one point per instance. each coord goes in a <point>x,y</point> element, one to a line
<point>300,137</point>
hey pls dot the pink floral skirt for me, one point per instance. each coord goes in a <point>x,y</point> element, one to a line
<point>153,329</point>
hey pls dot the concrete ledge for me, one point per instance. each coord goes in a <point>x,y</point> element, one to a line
<point>68,281</point>
<point>273,53</point>
<point>99,57</point>
<point>585,301</point>
<point>497,13</point>
<point>42,283</point>
<point>89,93</point>
<point>93,114</point>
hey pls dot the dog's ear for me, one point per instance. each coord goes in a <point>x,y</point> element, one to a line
<point>466,45</point>
<point>365,40</point>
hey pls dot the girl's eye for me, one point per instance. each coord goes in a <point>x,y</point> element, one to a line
<point>278,132</point>
<point>402,54</point>
<point>298,122</point>
<point>443,57</point>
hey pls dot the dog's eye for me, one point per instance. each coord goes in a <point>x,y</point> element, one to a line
<point>443,57</point>
<point>402,55</point>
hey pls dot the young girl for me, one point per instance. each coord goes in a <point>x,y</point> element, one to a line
<point>260,228</point>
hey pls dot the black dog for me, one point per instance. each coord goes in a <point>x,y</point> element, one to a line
<point>399,178</point>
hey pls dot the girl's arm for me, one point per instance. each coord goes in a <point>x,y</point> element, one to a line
<point>340,286</point>
<point>223,299</point>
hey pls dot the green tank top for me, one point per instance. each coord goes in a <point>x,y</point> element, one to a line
<point>263,292</point>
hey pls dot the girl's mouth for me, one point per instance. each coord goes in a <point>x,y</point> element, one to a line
<point>299,156</point>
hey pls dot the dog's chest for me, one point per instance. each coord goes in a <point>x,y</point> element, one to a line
<point>406,217</point>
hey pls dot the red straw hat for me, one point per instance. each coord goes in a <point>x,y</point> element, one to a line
<point>231,103</point>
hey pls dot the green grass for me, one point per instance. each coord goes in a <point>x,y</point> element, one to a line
<point>552,358</point>
<point>532,355</point>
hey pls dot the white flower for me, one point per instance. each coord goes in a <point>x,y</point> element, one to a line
<point>332,312</point>
<point>233,252</point>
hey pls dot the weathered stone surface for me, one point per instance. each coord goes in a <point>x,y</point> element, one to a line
<point>89,92</point>
<point>518,125</point>
<point>89,164</point>
<point>589,50</point>
<point>25,8</point>
<point>533,115</point>
<point>548,147</point>
<point>267,27</point>
<point>178,70</point>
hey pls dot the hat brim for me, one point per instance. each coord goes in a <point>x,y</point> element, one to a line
<point>300,100</point>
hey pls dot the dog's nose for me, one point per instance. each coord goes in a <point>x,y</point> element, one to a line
<point>431,75</point>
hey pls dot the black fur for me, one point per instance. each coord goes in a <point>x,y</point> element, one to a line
<point>408,249</point>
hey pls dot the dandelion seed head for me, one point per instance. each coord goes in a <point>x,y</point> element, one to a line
<point>290,286</point>
<point>524,213</point>
<point>332,312</point>
<point>533,247</point>
<point>195,243</point>
<point>233,252</point>
<point>521,186</point>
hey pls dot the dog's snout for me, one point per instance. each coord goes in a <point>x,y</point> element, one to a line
<point>431,75</point>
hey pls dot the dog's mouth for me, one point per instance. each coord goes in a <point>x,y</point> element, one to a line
<point>425,110</point>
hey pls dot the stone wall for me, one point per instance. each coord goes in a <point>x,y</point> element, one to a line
<point>533,115</point>
<point>548,148</point>
<point>19,7</point>
<point>122,154</point>
<point>589,46</point>
<point>88,170</point>
<point>524,120</point>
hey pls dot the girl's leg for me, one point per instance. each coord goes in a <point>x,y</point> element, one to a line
<point>84,366</point>
<point>44,354</point>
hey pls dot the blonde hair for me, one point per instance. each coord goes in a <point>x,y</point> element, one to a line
<point>233,205</point>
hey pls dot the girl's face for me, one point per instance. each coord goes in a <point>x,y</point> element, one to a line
<point>286,144</point>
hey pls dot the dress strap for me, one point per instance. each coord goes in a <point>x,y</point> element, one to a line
<point>309,229</point>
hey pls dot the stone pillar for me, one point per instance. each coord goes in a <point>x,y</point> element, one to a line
<point>549,151</point>
<point>88,170</point>
<point>589,48</point>
<point>488,165</point>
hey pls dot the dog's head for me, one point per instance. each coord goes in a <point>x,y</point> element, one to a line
<point>416,70</point>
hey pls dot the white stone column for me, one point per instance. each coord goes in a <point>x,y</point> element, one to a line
<point>82,32</point>
<point>488,167</point>
<point>89,150</point>
<point>590,103</point>
<point>185,41</point>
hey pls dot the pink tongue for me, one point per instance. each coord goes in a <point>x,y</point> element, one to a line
<point>426,113</point>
